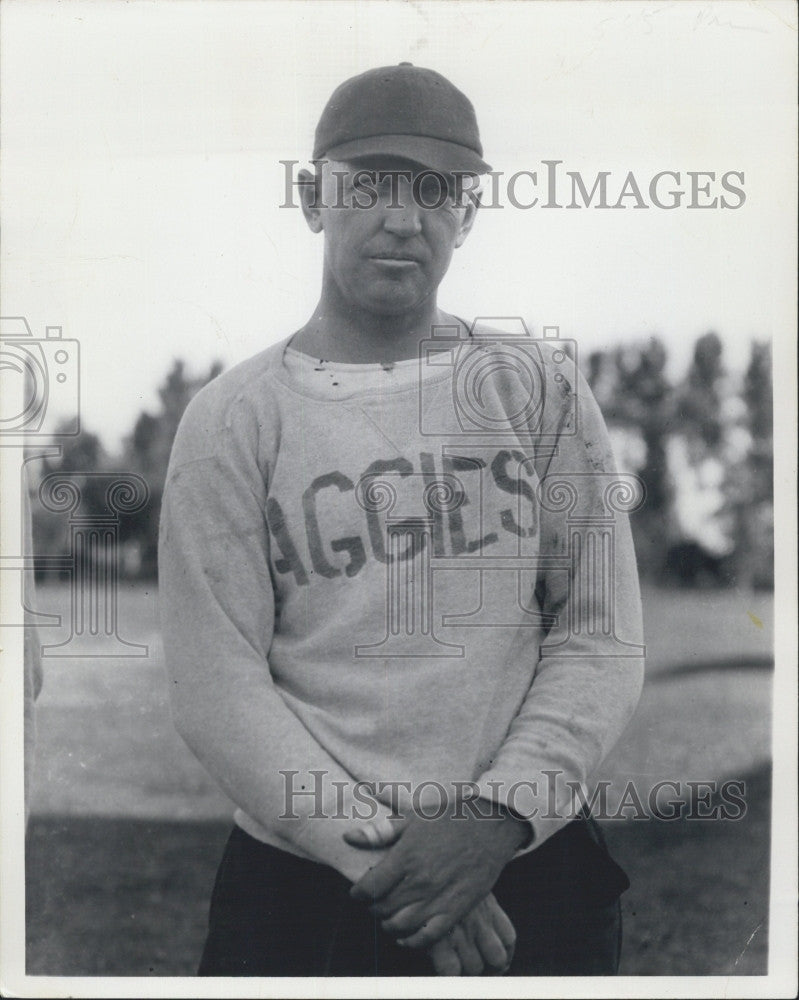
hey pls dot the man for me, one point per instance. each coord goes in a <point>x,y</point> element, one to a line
<point>370,579</point>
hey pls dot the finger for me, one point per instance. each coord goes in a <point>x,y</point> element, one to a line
<point>502,925</point>
<point>430,932</point>
<point>405,893</point>
<point>381,832</point>
<point>445,959</point>
<point>378,880</point>
<point>470,958</point>
<point>363,836</point>
<point>406,920</point>
<point>489,945</point>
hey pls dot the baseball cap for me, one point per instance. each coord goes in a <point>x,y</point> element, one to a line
<point>403,111</point>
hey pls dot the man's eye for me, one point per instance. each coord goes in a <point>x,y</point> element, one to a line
<point>433,191</point>
<point>364,181</point>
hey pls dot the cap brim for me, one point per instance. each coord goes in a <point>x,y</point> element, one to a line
<point>436,154</point>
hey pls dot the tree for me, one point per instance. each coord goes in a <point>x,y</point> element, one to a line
<point>147,451</point>
<point>700,397</point>
<point>758,396</point>
<point>750,485</point>
<point>641,399</point>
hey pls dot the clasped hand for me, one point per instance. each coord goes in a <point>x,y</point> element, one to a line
<point>433,888</point>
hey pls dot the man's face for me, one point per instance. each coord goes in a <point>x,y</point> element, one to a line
<point>384,249</point>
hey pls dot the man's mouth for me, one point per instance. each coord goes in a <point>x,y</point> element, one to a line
<point>394,259</point>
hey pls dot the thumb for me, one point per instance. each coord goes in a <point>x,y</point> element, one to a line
<point>381,832</point>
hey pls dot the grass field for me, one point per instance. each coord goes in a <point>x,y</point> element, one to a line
<point>126,828</point>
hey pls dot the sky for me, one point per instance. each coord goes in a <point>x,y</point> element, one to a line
<point>141,180</point>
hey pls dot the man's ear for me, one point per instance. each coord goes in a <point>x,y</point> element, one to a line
<point>469,216</point>
<point>310,188</point>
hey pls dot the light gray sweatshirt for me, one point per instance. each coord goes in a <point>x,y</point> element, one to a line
<point>420,573</point>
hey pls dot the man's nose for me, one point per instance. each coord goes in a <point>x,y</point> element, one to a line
<point>402,216</point>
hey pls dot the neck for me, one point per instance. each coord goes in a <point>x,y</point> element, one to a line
<point>340,331</point>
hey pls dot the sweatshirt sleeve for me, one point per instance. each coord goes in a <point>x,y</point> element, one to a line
<point>218,615</point>
<point>590,663</point>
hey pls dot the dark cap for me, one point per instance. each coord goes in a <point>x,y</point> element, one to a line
<point>403,111</point>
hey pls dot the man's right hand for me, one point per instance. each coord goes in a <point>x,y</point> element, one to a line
<point>483,941</point>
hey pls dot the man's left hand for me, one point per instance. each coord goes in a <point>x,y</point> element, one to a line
<point>437,871</point>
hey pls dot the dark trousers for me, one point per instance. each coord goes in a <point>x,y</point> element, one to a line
<point>274,914</point>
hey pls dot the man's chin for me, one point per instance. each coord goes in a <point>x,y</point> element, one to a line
<point>394,302</point>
